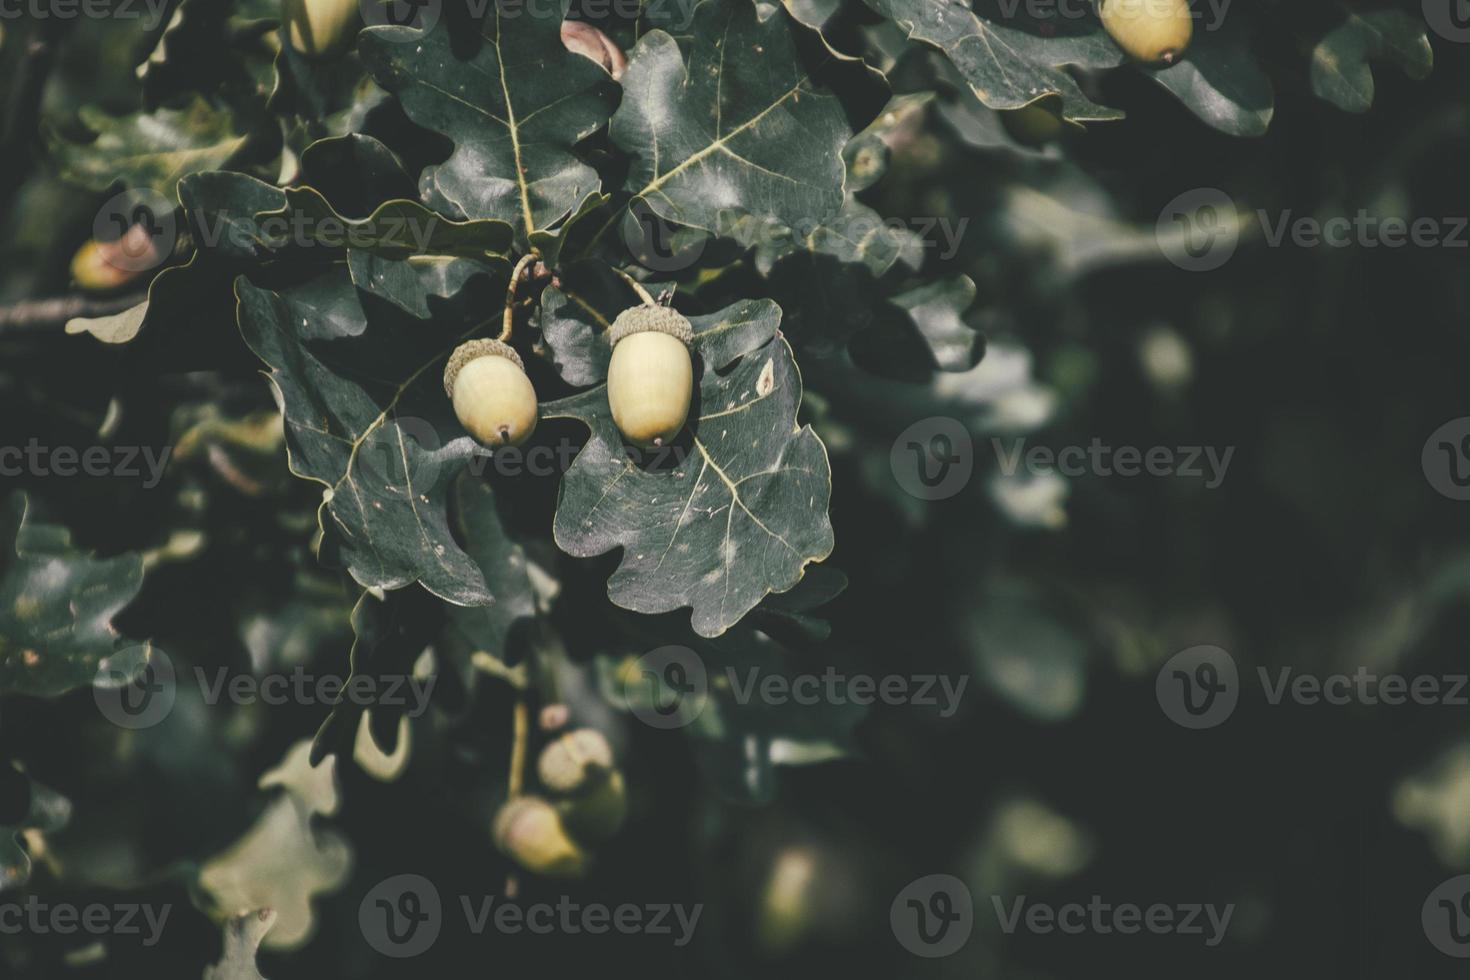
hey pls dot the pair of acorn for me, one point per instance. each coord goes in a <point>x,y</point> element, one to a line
<point>649,382</point>
<point>550,838</point>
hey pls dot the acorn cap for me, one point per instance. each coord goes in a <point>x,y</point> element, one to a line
<point>472,350</point>
<point>660,319</point>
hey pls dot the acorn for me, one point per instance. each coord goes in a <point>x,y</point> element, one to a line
<point>651,377</point>
<point>598,812</point>
<point>529,831</point>
<point>320,28</point>
<point>101,267</point>
<point>1033,125</point>
<point>493,399</point>
<point>574,760</point>
<point>1151,31</point>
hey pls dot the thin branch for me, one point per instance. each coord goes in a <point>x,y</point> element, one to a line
<point>637,288</point>
<point>49,314</point>
<point>510,296</point>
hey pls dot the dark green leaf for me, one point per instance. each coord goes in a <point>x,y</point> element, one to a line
<point>503,563</point>
<point>515,110</point>
<point>1221,81</point>
<point>1004,66</point>
<point>740,128</point>
<point>735,510</point>
<point>45,811</point>
<point>152,150</point>
<point>1341,69</point>
<point>56,605</point>
<point>364,409</point>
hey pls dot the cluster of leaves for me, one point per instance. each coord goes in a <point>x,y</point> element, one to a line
<point>749,135</point>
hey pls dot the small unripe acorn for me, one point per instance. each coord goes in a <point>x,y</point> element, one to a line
<point>1033,125</point>
<point>100,267</point>
<point>599,812</point>
<point>493,399</point>
<point>575,759</point>
<point>1151,31</point>
<point>651,377</point>
<point>529,831</point>
<point>320,28</point>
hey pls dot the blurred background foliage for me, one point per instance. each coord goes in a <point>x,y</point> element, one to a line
<point>1324,549</point>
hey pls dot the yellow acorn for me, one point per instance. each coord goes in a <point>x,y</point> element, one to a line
<point>575,759</point>
<point>651,377</point>
<point>529,831</point>
<point>599,811</point>
<point>493,399</point>
<point>1151,31</point>
<point>320,28</point>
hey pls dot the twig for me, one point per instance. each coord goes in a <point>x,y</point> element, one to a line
<point>510,296</point>
<point>521,731</point>
<point>637,288</point>
<point>46,314</point>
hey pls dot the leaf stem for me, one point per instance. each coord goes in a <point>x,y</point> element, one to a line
<point>637,288</point>
<point>508,320</point>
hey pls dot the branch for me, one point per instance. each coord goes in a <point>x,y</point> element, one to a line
<point>49,314</point>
